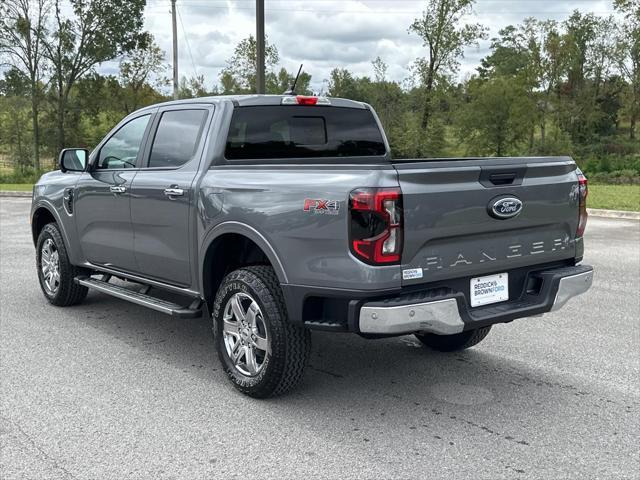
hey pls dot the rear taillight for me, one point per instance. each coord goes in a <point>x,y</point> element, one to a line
<point>583,191</point>
<point>375,232</point>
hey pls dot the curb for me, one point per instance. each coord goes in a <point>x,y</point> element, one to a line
<point>7,193</point>
<point>597,212</point>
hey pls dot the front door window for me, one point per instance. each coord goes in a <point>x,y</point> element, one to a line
<point>121,150</point>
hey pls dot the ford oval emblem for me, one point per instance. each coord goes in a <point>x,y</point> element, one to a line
<point>505,207</point>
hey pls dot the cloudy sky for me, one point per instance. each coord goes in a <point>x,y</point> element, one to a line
<point>324,34</point>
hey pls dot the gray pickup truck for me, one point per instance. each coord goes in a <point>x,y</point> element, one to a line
<point>279,214</point>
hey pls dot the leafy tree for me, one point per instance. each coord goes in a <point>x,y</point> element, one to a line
<point>91,130</point>
<point>405,137</point>
<point>96,104</point>
<point>517,53</point>
<point>581,32</point>
<point>609,103</point>
<point>239,76</point>
<point>141,73</point>
<point>14,84</point>
<point>509,54</point>
<point>445,37</point>
<point>602,54</point>
<point>589,49</point>
<point>22,37</point>
<point>628,56</point>
<point>496,119</point>
<point>379,70</point>
<point>94,93</point>
<point>551,69</point>
<point>14,116</point>
<point>98,31</point>
<point>385,96</point>
<point>228,84</point>
<point>409,140</point>
<point>343,84</point>
<point>192,87</point>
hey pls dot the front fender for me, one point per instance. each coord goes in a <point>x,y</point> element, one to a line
<point>50,207</point>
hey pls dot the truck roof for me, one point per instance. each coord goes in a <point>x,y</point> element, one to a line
<point>254,100</point>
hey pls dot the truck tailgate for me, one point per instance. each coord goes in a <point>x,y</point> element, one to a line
<point>451,231</point>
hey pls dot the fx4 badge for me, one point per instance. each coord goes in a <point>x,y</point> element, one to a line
<point>504,207</point>
<point>325,207</point>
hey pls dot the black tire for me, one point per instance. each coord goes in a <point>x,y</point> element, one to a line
<point>452,343</point>
<point>67,291</point>
<point>281,366</point>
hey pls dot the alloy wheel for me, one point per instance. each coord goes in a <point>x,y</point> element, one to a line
<point>245,334</point>
<point>50,266</point>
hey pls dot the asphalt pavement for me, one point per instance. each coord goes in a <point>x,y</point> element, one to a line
<point>110,390</point>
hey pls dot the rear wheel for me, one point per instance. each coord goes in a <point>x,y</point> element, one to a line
<point>261,352</point>
<point>452,343</point>
<point>55,272</point>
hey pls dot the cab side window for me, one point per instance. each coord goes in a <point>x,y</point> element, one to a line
<point>176,139</point>
<point>121,150</point>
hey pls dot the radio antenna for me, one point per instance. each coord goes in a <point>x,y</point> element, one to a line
<point>292,90</point>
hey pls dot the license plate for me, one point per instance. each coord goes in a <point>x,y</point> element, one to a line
<point>489,289</point>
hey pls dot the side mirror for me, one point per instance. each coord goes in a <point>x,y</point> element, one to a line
<point>73,159</point>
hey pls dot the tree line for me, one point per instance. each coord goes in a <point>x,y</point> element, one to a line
<point>547,87</point>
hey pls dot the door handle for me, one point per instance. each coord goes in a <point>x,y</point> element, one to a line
<point>117,189</point>
<point>173,192</point>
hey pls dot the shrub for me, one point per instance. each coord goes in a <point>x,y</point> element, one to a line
<point>609,163</point>
<point>616,177</point>
<point>24,175</point>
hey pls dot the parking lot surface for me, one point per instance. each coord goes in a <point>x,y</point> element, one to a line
<point>110,390</point>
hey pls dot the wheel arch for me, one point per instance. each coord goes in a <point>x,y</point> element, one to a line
<point>41,216</point>
<point>240,245</point>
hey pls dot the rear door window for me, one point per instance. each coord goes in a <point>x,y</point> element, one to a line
<point>295,131</point>
<point>176,138</point>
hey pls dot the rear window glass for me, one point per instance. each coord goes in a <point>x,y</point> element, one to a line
<point>176,139</point>
<point>295,131</point>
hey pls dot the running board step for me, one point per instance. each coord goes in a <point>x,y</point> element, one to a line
<point>192,311</point>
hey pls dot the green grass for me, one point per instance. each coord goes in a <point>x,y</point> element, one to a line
<point>614,197</point>
<point>16,187</point>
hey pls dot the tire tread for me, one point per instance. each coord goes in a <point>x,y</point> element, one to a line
<point>293,340</point>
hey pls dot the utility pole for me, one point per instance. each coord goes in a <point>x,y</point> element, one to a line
<point>260,88</point>
<point>175,49</point>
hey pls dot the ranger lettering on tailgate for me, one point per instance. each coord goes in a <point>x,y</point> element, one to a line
<point>437,262</point>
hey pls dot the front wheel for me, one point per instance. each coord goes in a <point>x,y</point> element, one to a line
<point>262,353</point>
<point>55,271</point>
<point>452,343</point>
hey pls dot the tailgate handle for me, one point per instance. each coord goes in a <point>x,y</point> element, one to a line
<point>502,178</point>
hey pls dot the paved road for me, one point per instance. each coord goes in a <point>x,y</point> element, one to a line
<point>109,390</point>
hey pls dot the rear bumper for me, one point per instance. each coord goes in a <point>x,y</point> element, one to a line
<point>447,312</point>
<point>439,316</point>
<point>572,286</point>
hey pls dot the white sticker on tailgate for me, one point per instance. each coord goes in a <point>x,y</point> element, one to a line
<point>411,273</point>
<point>489,289</point>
